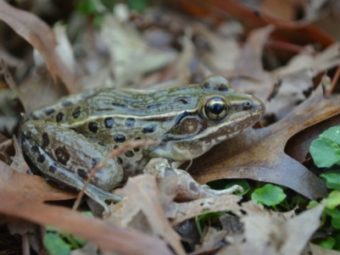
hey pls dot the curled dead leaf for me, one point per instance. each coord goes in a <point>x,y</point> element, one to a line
<point>23,196</point>
<point>41,37</point>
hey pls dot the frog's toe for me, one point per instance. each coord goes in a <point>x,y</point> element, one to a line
<point>102,197</point>
<point>231,190</point>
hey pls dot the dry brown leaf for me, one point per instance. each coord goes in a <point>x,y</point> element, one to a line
<point>249,62</point>
<point>142,209</point>
<point>41,37</point>
<point>18,162</point>
<point>288,10</point>
<point>311,63</point>
<point>23,196</point>
<point>259,154</point>
<point>296,78</point>
<point>128,50</point>
<point>179,212</point>
<point>224,53</point>
<point>28,187</point>
<point>212,240</point>
<point>275,234</point>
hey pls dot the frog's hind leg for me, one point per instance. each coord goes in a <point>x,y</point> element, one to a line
<point>52,169</point>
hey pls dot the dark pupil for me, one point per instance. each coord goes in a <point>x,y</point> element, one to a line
<point>216,107</point>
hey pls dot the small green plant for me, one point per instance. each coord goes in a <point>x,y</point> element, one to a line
<point>325,152</point>
<point>269,195</point>
<point>57,242</point>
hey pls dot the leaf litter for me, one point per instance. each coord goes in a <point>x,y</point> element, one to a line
<point>149,217</point>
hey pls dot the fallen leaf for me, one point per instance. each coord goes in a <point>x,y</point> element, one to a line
<point>275,234</point>
<point>212,240</point>
<point>249,63</point>
<point>23,196</point>
<point>224,50</point>
<point>31,187</point>
<point>41,37</point>
<point>18,162</point>
<point>128,50</point>
<point>179,212</point>
<point>259,154</point>
<point>142,207</point>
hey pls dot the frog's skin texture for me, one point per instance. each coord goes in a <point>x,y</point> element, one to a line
<point>65,141</point>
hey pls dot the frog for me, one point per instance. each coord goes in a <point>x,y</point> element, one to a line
<point>67,140</point>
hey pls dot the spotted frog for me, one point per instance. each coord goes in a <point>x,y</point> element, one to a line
<point>69,139</point>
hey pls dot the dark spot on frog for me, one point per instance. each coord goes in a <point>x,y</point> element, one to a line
<point>119,138</point>
<point>35,148</point>
<point>82,173</point>
<point>76,112</point>
<point>222,87</point>
<point>49,111</point>
<point>34,117</point>
<point>109,122</point>
<point>130,122</point>
<point>59,117</point>
<point>152,106</point>
<point>41,158</point>
<point>193,187</point>
<point>118,104</point>
<point>27,135</point>
<point>62,155</point>
<point>149,129</point>
<point>66,103</point>
<point>94,162</point>
<point>182,100</point>
<point>206,85</point>
<point>136,149</point>
<point>45,140</point>
<point>138,138</point>
<point>129,154</point>
<point>119,160</point>
<point>93,127</point>
<point>52,169</point>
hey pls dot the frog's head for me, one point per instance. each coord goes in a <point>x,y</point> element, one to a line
<point>218,113</point>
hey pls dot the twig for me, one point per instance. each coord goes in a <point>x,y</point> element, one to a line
<point>334,82</point>
<point>111,155</point>
<point>281,45</point>
<point>25,245</point>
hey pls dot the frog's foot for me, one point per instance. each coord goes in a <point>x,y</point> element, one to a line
<point>59,174</point>
<point>213,192</point>
<point>183,186</point>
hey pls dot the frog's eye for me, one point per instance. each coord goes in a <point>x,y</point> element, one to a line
<point>215,108</point>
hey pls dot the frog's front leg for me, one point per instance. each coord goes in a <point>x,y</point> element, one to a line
<point>186,188</point>
<point>67,157</point>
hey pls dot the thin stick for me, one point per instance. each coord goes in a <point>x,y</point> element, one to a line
<point>334,82</point>
<point>111,155</point>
